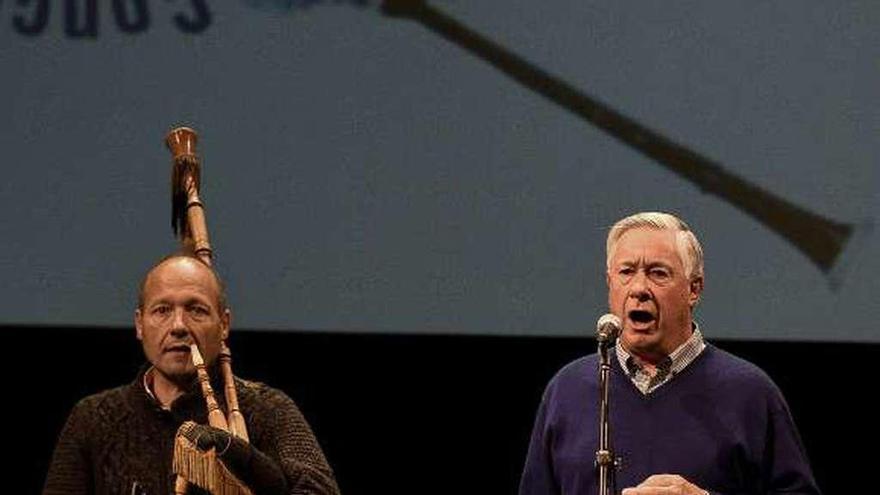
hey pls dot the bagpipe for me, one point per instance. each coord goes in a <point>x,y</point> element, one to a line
<point>193,464</point>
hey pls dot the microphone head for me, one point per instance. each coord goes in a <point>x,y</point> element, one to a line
<point>607,328</point>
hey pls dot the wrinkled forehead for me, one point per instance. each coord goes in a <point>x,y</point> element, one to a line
<point>646,246</point>
<point>182,274</point>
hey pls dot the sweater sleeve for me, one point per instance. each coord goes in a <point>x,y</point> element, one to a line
<point>292,443</point>
<point>786,470</point>
<point>787,467</point>
<point>69,472</point>
<point>537,476</point>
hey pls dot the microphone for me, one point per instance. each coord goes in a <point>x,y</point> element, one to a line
<point>607,329</point>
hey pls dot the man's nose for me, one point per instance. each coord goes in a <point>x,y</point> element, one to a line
<point>638,287</point>
<point>178,327</point>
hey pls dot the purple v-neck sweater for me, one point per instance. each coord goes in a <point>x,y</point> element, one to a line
<point>721,423</point>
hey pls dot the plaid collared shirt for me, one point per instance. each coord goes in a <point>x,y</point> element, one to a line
<point>667,368</point>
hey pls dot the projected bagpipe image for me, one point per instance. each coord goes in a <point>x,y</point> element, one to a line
<point>819,238</point>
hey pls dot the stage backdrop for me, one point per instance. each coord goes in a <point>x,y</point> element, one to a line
<point>450,166</point>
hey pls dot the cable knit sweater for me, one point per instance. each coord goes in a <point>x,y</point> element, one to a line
<point>121,441</point>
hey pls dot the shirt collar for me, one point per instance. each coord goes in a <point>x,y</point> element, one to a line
<point>667,368</point>
<point>148,387</point>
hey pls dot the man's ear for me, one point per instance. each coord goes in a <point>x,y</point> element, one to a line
<point>138,324</point>
<point>695,291</point>
<point>608,285</point>
<point>225,323</point>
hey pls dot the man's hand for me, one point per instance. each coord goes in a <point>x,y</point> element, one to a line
<point>206,437</point>
<point>257,470</point>
<point>665,484</point>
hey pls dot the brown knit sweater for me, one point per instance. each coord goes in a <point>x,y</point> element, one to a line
<point>121,441</point>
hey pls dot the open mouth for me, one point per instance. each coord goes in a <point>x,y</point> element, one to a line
<point>641,316</point>
<point>177,348</point>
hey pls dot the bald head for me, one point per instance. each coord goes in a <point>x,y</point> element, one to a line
<point>186,261</point>
<point>181,303</point>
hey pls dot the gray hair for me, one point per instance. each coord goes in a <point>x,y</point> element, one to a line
<point>689,248</point>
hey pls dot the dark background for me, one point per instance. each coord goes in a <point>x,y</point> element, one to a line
<point>422,414</point>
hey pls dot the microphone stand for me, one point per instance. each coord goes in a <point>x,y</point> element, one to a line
<point>605,460</point>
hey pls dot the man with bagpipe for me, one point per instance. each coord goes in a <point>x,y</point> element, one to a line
<point>166,431</point>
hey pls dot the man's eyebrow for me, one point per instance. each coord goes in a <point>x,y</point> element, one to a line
<point>198,300</point>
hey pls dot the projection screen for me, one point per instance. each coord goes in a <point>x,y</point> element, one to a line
<point>443,167</point>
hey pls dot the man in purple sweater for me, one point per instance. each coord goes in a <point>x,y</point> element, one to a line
<point>686,417</point>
